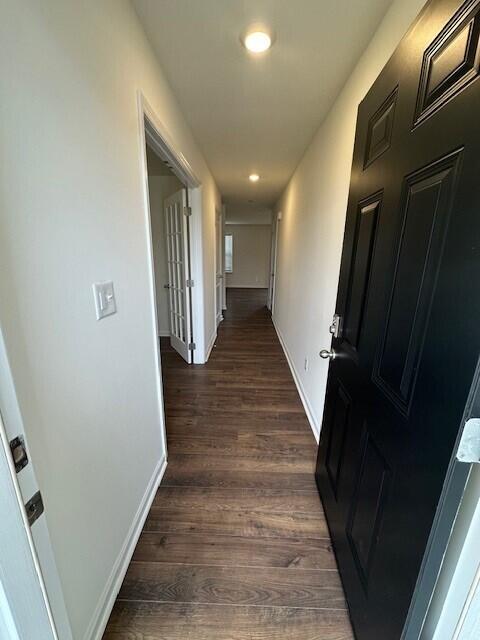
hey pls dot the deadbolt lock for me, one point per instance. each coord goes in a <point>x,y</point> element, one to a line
<point>336,326</point>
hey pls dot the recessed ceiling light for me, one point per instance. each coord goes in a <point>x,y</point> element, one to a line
<point>254,177</point>
<point>257,41</point>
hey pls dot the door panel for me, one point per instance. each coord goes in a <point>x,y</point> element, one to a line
<point>409,296</point>
<point>451,62</point>
<point>177,240</point>
<point>367,507</point>
<point>380,128</point>
<point>363,247</point>
<point>337,436</point>
<point>425,213</point>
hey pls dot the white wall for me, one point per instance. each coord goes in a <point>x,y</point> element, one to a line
<point>251,255</point>
<point>71,213</point>
<point>239,213</point>
<point>159,188</point>
<point>313,207</point>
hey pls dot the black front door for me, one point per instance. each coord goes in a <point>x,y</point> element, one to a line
<point>409,299</point>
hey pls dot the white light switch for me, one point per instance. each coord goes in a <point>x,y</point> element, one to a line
<point>104,296</point>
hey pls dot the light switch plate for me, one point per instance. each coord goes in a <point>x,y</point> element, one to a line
<point>104,295</point>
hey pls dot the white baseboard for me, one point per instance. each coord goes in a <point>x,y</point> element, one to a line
<point>210,346</point>
<point>164,334</point>
<point>104,608</point>
<point>301,391</point>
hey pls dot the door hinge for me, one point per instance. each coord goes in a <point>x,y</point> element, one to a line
<point>34,508</point>
<point>469,447</point>
<point>19,453</point>
<point>192,346</point>
<point>190,283</point>
<point>187,211</point>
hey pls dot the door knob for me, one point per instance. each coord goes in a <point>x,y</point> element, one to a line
<point>327,355</point>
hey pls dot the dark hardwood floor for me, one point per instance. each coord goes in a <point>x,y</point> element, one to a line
<point>235,546</point>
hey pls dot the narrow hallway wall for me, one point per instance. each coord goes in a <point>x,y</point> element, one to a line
<point>313,209</point>
<point>72,212</point>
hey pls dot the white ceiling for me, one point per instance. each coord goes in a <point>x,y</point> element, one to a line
<point>257,114</point>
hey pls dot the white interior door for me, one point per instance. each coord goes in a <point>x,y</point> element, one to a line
<point>218,267</point>
<point>179,282</point>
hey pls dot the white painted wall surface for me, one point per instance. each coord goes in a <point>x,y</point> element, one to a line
<point>313,207</point>
<point>71,213</point>
<point>159,188</point>
<point>251,255</point>
<point>247,214</point>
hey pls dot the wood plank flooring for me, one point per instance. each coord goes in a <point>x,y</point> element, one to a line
<point>235,546</point>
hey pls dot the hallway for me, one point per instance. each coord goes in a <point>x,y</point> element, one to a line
<point>235,546</point>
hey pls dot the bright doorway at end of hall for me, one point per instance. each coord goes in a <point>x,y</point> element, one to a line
<point>248,241</point>
<point>171,248</point>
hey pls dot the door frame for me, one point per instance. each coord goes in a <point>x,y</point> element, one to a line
<point>154,132</point>
<point>219,258</point>
<point>274,261</point>
<point>224,281</point>
<point>22,583</point>
<point>451,497</point>
<point>24,606</point>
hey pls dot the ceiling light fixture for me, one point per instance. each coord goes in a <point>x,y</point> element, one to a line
<point>254,177</point>
<point>257,41</point>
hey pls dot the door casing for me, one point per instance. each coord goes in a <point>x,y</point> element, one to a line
<point>28,571</point>
<point>151,128</point>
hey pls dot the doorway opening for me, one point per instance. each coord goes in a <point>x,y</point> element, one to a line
<point>169,213</point>
<point>273,262</point>
<point>247,245</point>
<point>174,227</point>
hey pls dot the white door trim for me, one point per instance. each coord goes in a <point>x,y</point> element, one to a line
<point>26,485</point>
<point>219,270</point>
<point>224,281</point>
<point>273,279</point>
<point>26,612</point>
<point>160,140</point>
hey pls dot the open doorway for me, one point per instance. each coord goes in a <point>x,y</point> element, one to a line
<point>173,213</point>
<point>169,214</point>
<point>247,245</point>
